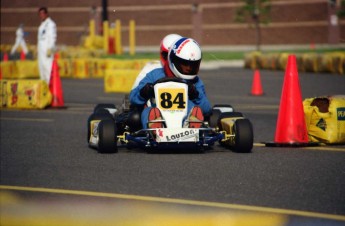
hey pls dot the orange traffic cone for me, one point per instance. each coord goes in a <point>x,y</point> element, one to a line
<point>291,127</point>
<point>55,86</point>
<point>56,56</point>
<point>5,57</point>
<point>22,55</point>
<point>256,86</point>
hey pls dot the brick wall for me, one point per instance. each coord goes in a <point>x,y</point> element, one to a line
<point>292,21</point>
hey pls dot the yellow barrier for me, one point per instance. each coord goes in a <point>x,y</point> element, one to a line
<point>333,62</point>
<point>26,94</point>
<point>81,68</point>
<point>337,62</point>
<point>270,61</point>
<point>139,64</point>
<point>70,68</point>
<point>119,80</point>
<point>325,119</point>
<point>112,64</point>
<point>311,62</point>
<point>98,67</point>
<point>326,63</point>
<point>282,61</point>
<point>79,52</point>
<point>65,68</point>
<point>8,69</point>
<point>27,69</point>
<point>253,60</point>
<point>19,69</point>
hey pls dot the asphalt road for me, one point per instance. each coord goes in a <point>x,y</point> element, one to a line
<point>48,149</point>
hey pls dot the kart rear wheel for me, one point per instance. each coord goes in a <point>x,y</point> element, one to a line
<point>224,107</point>
<point>243,136</point>
<point>96,116</point>
<point>107,135</point>
<point>103,106</point>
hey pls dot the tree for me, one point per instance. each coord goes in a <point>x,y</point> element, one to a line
<point>258,11</point>
<point>341,12</point>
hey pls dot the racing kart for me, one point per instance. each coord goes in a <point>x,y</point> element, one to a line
<point>109,127</point>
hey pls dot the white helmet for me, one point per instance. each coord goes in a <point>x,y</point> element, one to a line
<point>184,58</point>
<point>166,43</point>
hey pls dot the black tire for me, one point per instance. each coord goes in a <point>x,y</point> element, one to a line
<point>243,136</point>
<point>126,105</point>
<point>103,106</point>
<point>223,106</point>
<point>96,116</point>
<point>228,115</point>
<point>101,110</point>
<point>107,136</point>
<point>213,121</point>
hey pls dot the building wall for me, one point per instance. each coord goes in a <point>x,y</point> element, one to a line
<point>292,21</point>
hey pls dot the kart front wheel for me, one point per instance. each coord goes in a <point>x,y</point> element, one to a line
<point>243,130</point>
<point>213,121</point>
<point>96,116</point>
<point>107,132</point>
<point>228,115</point>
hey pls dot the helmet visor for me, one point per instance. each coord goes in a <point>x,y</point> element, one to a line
<point>186,67</point>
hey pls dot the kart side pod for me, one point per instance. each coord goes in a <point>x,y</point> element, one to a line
<point>238,133</point>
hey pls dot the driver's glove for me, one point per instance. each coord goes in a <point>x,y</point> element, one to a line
<point>147,91</point>
<point>192,92</point>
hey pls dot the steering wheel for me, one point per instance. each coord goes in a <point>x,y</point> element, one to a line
<point>169,79</point>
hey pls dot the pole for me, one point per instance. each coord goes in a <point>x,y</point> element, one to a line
<point>118,37</point>
<point>105,36</point>
<point>104,10</point>
<point>92,28</point>
<point>132,37</point>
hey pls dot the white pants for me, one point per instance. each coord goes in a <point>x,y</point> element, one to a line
<point>45,66</point>
<point>19,42</point>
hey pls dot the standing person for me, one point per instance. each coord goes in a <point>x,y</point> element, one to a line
<point>46,39</point>
<point>20,41</point>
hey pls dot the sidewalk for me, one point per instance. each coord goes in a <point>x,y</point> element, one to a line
<point>212,65</point>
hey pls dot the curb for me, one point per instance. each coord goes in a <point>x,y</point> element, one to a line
<point>212,65</point>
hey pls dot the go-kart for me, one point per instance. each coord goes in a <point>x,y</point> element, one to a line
<point>109,127</point>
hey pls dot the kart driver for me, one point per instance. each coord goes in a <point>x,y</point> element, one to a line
<point>184,60</point>
<point>166,42</point>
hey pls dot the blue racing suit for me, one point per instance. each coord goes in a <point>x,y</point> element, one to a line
<point>156,74</point>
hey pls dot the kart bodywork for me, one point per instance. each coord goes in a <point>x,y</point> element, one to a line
<point>109,127</point>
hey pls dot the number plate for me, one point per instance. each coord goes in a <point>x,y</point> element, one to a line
<point>177,135</point>
<point>172,99</point>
